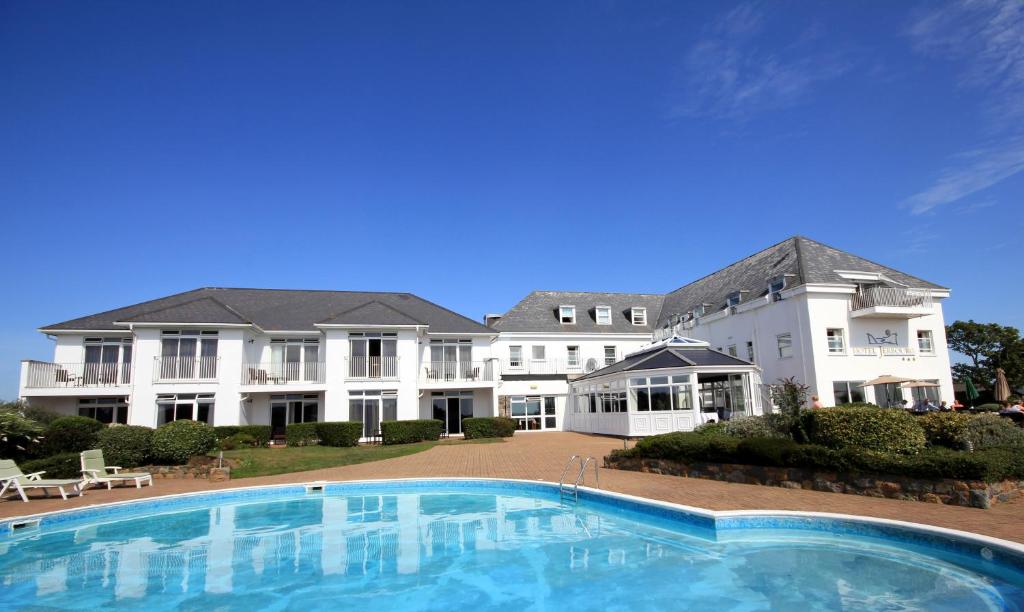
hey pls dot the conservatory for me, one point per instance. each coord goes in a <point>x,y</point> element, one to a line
<point>672,385</point>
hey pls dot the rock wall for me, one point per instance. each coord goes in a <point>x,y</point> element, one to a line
<point>188,472</point>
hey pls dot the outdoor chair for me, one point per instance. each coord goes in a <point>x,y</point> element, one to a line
<point>13,480</point>
<point>96,471</point>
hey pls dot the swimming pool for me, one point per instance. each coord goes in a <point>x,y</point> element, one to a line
<point>485,544</point>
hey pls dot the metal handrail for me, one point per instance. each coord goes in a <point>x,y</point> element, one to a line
<point>580,476</point>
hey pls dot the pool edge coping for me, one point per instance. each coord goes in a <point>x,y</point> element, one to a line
<point>714,515</point>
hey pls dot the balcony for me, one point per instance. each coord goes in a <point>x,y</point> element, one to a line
<point>372,368</point>
<point>442,373</point>
<point>44,375</point>
<point>185,369</point>
<point>556,367</point>
<point>890,303</point>
<point>287,374</point>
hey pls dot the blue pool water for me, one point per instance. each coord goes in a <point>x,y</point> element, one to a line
<point>477,545</point>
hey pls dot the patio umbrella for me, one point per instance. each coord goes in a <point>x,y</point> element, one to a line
<point>917,384</point>
<point>887,379</point>
<point>1002,390</point>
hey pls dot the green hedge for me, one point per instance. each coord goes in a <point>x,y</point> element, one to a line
<point>934,463</point>
<point>947,429</point>
<point>764,426</point>
<point>993,431</point>
<point>301,434</point>
<point>178,441</point>
<point>340,433</point>
<point>988,408</point>
<point>877,429</point>
<point>259,433</point>
<point>858,405</point>
<point>239,440</point>
<point>64,465</point>
<point>126,446</point>
<point>408,432</point>
<point>488,427</point>
<point>70,434</point>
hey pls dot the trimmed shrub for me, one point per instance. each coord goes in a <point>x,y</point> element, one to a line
<point>858,405</point>
<point>127,446</point>
<point>765,426</point>
<point>64,465</point>
<point>259,433</point>
<point>301,434</point>
<point>947,429</point>
<point>992,431</point>
<point>408,432</point>
<point>71,434</point>
<point>178,441</point>
<point>712,429</point>
<point>340,433</point>
<point>988,408</point>
<point>488,427</point>
<point>239,440</point>
<point>687,446</point>
<point>40,415</point>
<point>891,431</point>
<point>765,451</point>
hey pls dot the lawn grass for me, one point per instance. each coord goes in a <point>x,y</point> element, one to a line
<point>269,461</point>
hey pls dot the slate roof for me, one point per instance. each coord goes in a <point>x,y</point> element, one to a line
<point>666,355</point>
<point>538,312</point>
<point>282,310</point>
<point>801,260</point>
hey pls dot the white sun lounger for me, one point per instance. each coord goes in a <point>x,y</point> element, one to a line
<point>14,480</point>
<point>96,471</point>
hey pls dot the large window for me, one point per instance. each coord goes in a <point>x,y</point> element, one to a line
<point>295,359</point>
<point>293,408</point>
<point>603,314</point>
<point>784,343</point>
<point>567,314</point>
<point>188,355</point>
<point>108,361</point>
<point>836,341</point>
<point>661,393</point>
<point>533,413</point>
<point>848,391</point>
<point>370,407</point>
<point>924,342</point>
<point>374,355</point>
<point>572,356</point>
<point>609,355</point>
<point>515,356</point>
<point>639,316</point>
<point>104,409</point>
<point>452,408</point>
<point>889,395</point>
<point>920,394</point>
<point>184,406</point>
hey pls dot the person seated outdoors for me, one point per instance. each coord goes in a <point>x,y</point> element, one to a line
<point>943,407</point>
<point>1009,408</point>
<point>927,406</point>
<point>957,405</point>
<point>904,404</point>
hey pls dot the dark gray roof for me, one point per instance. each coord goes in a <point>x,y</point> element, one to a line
<point>283,309</point>
<point>668,356</point>
<point>538,312</point>
<point>801,260</point>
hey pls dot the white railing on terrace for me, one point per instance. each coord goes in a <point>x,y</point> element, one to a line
<point>373,368</point>
<point>541,366</point>
<point>458,371</point>
<point>43,375</point>
<point>283,373</point>
<point>172,369</point>
<point>890,296</point>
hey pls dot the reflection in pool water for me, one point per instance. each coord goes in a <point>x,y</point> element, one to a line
<point>464,548</point>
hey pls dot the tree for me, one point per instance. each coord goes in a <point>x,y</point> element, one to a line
<point>988,346</point>
<point>790,396</point>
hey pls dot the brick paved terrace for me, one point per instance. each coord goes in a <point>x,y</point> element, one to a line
<point>542,456</point>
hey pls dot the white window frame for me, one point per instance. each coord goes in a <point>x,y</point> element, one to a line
<point>831,335</point>
<point>732,351</point>
<point>534,352</point>
<point>606,311</point>
<point>572,356</point>
<point>639,315</point>
<point>614,355</point>
<point>734,299</point>
<point>785,351</point>
<point>515,356</point>
<point>929,339</point>
<point>750,351</point>
<point>781,282</point>
<point>562,314</point>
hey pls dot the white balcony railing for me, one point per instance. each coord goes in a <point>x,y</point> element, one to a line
<point>458,371</point>
<point>310,372</point>
<point>890,297</point>
<point>373,368</point>
<point>185,369</point>
<point>542,366</point>
<point>44,375</point>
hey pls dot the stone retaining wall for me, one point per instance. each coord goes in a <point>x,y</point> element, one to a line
<point>188,472</point>
<point>975,494</point>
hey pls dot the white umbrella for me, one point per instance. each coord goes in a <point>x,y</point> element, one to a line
<point>887,379</point>
<point>917,384</point>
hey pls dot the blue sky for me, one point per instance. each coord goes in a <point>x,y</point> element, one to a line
<point>470,152</point>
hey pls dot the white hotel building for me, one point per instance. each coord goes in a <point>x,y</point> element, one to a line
<point>263,356</point>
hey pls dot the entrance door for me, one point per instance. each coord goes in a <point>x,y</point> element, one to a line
<point>371,417</point>
<point>454,419</point>
<point>452,410</point>
<point>278,419</point>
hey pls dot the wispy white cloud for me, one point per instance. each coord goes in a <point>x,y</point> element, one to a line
<point>973,207</point>
<point>727,74</point>
<point>985,39</point>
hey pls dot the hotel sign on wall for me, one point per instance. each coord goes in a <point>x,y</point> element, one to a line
<point>885,343</point>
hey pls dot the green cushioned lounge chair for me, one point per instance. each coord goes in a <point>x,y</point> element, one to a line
<point>96,471</point>
<point>13,480</point>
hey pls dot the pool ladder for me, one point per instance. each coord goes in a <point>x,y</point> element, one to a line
<point>573,489</point>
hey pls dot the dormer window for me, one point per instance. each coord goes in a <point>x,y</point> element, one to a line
<point>733,299</point>
<point>603,314</point>
<point>567,314</point>
<point>777,285</point>
<point>639,316</point>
